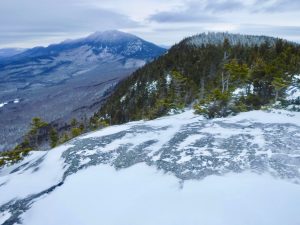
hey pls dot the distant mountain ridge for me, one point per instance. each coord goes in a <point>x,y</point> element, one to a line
<point>66,80</point>
<point>112,41</point>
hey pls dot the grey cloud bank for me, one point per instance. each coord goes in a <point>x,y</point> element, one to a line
<point>29,23</point>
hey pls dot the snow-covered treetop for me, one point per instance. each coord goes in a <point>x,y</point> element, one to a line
<point>234,39</point>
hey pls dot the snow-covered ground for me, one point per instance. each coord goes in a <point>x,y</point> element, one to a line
<point>142,195</point>
<point>180,169</point>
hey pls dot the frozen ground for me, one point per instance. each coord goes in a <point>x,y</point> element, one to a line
<point>179,169</point>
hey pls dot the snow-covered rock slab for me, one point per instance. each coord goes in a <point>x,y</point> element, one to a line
<point>180,169</point>
<point>141,195</point>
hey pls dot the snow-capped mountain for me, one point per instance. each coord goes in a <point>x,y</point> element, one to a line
<point>179,169</point>
<point>58,62</point>
<point>66,80</point>
<point>111,42</point>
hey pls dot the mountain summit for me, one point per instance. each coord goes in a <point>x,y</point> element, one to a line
<point>111,36</point>
<point>112,41</point>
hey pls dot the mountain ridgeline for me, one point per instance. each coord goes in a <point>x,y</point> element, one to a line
<point>217,73</point>
<point>111,42</point>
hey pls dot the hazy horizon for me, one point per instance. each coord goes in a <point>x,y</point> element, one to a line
<point>158,44</point>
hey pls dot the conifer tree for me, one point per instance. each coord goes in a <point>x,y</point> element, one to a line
<point>53,137</point>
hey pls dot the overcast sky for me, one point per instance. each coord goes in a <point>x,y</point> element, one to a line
<point>28,23</point>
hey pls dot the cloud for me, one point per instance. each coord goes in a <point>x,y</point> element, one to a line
<point>213,11</point>
<point>191,12</point>
<point>224,6</point>
<point>275,6</point>
<point>31,19</point>
<point>199,11</point>
<point>291,33</point>
<point>36,22</point>
<point>253,6</point>
<point>171,17</point>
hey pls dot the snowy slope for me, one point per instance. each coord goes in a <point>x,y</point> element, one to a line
<point>180,169</point>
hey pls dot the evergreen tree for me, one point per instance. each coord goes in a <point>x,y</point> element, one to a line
<point>74,122</point>
<point>278,83</point>
<point>53,137</point>
<point>75,132</point>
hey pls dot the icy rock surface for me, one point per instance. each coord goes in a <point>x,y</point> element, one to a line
<point>186,147</point>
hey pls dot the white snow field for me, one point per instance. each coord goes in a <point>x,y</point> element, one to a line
<point>142,195</point>
<point>179,169</point>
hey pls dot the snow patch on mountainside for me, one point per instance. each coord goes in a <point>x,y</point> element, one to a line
<point>15,101</point>
<point>131,63</point>
<point>152,87</point>
<point>3,104</point>
<point>4,216</point>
